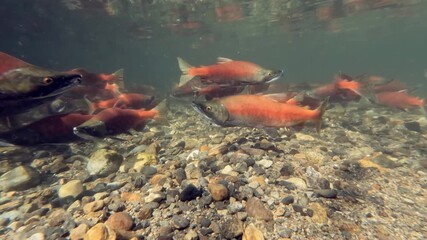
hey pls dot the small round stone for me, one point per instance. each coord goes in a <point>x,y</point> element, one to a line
<point>120,221</point>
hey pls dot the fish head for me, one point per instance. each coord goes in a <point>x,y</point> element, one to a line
<point>269,76</point>
<point>212,110</point>
<point>91,128</point>
<point>53,84</point>
<point>36,83</point>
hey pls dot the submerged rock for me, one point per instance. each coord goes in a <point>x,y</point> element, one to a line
<point>20,178</point>
<point>104,162</point>
<point>252,233</point>
<point>72,189</point>
<point>256,209</point>
<point>218,191</point>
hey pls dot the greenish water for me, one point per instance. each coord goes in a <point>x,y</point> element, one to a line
<point>145,37</point>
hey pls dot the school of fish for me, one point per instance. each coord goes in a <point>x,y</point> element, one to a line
<point>40,106</point>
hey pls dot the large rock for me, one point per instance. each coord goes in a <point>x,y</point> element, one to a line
<point>104,162</point>
<point>20,178</point>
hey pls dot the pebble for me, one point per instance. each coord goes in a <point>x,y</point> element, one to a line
<point>179,175</point>
<point>71,189</point>
<point>288,200</point>
<point>235,207</point>
<point>101,195</point>
<point>320,214</point>
<point>37,236</point>
<point>155,197</point>
<point>93,206</point>
<point>298,182</point>
<point>20,178</point>
<point>227,170</point>
<point>148,171</point>
<point>265,163</point>
<point>252,233</point>
<point>58,217</point>
<point>413,126</point>
<point>120,221</point>
<point>179,222</point>
<point>79,232</point>
<point>190,192</point>
<point>326,193</point>
<point>287,170</point>
<point>218,191</point>
<point>103,162</point>
<point>204,222</point>
<point>231,227</point>
<point>303,137</point>
<point>191,235</point>
<point>256,209</point>
<point>284,232</point>
<point>100,232</point>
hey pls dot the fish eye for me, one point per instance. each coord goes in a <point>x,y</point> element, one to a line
<point>47,80</point>
<point>208,108</point>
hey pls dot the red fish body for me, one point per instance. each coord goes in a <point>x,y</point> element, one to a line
<point>52,129</point>
<point>257,111</point>
<point>228,72</point>
<point>96,85</point>
<point>342,88</point>
<point>90,78</point>
<point>117,120</point>
<point>391,86</point>
<point>400,100</point>
<point>127,100</point>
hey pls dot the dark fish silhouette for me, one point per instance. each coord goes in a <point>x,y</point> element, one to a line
<point>24,86</point>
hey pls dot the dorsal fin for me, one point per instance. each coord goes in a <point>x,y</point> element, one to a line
<point>223,60</point>
<point>280,97</point>
<point>8,62</point>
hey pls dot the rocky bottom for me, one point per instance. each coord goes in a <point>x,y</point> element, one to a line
<point>364,176</point>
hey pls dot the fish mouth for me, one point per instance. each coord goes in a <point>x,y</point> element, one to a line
<point>90,129</point>
<point>199,107</point>
<point>273,76</point>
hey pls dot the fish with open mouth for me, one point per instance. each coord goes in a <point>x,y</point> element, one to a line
<point>24,86</point>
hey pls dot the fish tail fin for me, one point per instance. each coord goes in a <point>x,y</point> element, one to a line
<point>321,109</point>
<point>120,76</point>
<point>161,112</point>
<point>184,67</point>
<point>92,106</point>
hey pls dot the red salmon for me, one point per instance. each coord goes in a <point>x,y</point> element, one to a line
<point>258,111</point>
<point>400,100</point>
<point>228,72</point>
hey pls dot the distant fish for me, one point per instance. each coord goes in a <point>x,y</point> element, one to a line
<point>116,120</point>
<point>343,88</point>
<point>98,84</point>
<point>126,100</point>
<point>24,86</point>
<point>401,100</point>
<point>390,86</point>
<point>228,72</point>
<point>260,111</point>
